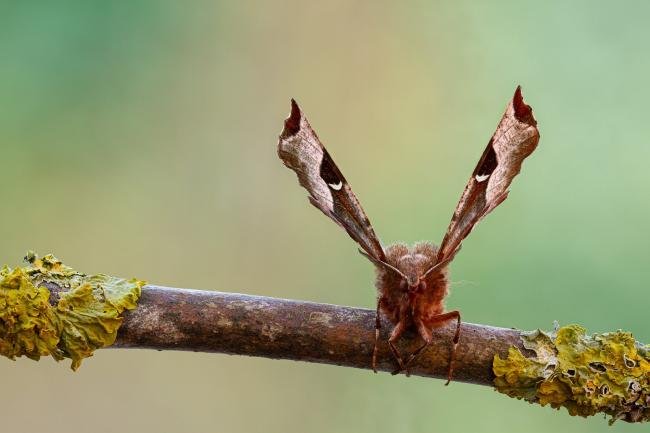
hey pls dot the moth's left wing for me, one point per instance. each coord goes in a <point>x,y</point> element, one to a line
<point>301,150</point>
<point>516,137</point>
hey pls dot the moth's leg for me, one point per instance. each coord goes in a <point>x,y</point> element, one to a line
<point>397,332</point>
<point>425,333</point>
<point>452,355</point>
<point>377,328</point>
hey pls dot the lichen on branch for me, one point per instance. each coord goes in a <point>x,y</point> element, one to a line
<point>81,315</point>
<point>586,374</point>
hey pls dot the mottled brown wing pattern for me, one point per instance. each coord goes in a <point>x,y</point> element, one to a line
<point>301,150</point>
<point>515,138</point>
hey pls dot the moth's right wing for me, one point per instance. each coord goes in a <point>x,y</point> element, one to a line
<point>301,150</point>
<point>515,139</point>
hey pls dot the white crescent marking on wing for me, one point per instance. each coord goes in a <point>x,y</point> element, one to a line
<point>482,177</point>
<point>336,186</point>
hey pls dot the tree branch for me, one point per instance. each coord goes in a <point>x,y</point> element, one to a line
<point>586,374</point>
<point>204,321</point>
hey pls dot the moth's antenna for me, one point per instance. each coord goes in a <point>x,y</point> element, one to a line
<point>436,266</point>
<point>380,263</point>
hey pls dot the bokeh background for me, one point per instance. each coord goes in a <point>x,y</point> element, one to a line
<point>138,139</point>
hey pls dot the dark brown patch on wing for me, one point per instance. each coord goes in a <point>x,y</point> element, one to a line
<point>523,112</point>
<point>487,163</point>
<point>292,123</point>
<point>329,171</point>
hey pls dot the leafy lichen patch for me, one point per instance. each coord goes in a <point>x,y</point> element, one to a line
<point>586,374</point>
<point>83,316</point>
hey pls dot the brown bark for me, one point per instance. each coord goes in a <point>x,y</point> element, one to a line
<point>205,321</point>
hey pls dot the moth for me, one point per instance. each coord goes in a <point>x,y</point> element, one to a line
<point>412,282</point>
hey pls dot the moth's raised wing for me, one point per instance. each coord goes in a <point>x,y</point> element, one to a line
<point>301,150</point>
<point>515,138</point>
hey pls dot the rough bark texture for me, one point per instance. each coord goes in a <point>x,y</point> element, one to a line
<point>205,321</point>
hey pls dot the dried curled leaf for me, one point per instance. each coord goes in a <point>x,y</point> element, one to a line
<point>71,323</point>
<point>608,373</point>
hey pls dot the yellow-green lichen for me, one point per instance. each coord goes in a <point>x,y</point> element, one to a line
<point>47,308</point>
<point>608,373</point>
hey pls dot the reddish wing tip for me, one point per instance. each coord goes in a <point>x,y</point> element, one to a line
<point>292,123</point>
<point>523,112</point>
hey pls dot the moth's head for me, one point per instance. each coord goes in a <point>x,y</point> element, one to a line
<point>408,269</point>
<point>413,286</point>
<point>414,268</point>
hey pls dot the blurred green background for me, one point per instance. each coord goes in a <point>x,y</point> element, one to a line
<point>138,139</point>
